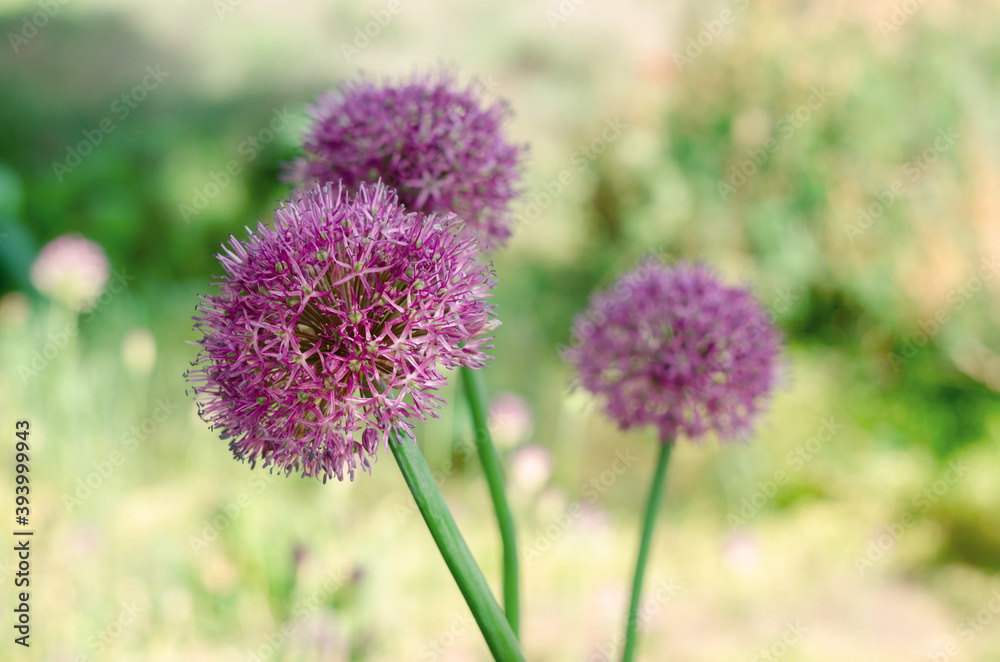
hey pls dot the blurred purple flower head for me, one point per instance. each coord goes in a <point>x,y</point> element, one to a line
<point>332,326</point>
<point>511,421</point>
<point>435,142</point>
<point>675,348</point>
<point>72,270</point>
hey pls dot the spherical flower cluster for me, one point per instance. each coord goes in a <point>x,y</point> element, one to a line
<point>332,327</point>
<point>72,270</point>
<point>433,141</point>
<point>675,348</point>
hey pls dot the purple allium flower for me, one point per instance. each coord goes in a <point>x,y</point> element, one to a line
<point>332,327</point>
<point>674,347</point>
<point>428,138</point>
<point>71,269</point>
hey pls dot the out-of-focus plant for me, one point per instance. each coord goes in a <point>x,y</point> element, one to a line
<point>674,348</point>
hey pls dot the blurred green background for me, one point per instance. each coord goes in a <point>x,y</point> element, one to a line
<point>843,159</point>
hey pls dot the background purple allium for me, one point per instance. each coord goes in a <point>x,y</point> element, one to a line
<point>438,144</point>
<point>674,347</point>
<point>331,328</point>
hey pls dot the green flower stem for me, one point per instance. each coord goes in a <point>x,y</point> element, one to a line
<point>655,492</point>
<point>499,637</point>
<point>494,479</point>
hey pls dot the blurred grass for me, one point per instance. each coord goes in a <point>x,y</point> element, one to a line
<point>355,555</point>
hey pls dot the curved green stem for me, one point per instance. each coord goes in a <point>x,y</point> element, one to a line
<point>494,479</point>
<point>499,637</point>
<point>652,506</point>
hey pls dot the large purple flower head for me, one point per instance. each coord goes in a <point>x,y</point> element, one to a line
<point>435,142</point>
<point>332,326</point>
<point>675,348</point>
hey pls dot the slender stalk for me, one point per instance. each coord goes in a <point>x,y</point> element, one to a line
<point>652,506</point>
<point>494,479</point>
<point>499,637</point>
